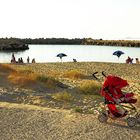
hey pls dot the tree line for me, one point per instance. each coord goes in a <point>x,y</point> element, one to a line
<point>59,41</point>
<point>15,42</point>
<point>127,43</point>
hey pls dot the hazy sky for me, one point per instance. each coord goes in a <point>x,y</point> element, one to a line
<point>107,19</point>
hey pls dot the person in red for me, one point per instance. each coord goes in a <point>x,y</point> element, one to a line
<point>129,60</point>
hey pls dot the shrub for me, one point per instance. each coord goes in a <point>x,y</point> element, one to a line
<point>73,74</point>
<point>26,77</point>
<point>90,88</point>
<point>42,78</point>
<point>6,68</point>
<point>21,78</point>
<point>63,96</point>
<point>78,109</point>
<point>37,100</point>
<point>48,81</point>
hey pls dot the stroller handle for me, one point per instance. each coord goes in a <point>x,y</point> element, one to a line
<point>94,75</point>
<point>103,74</point>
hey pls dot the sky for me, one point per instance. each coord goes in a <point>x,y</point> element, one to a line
<point>106,19</point>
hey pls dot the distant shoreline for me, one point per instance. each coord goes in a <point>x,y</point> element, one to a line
<point>84,41</point>
<point>17,44</point>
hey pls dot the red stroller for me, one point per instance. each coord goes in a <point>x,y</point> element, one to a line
<point>114,98</point>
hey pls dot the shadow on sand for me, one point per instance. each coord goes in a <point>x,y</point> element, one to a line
<point>116,124</point>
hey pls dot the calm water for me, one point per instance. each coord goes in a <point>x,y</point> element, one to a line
<point>47,53</point>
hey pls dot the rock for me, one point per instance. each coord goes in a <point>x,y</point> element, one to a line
<point>15,47</point>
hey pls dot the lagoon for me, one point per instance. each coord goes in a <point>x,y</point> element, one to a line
<point>82,53</point>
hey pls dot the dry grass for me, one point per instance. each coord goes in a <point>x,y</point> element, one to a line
<point>50,82</point>
<point>63,96</point>
<point>27,78</point>
<point>73,74</point>
<point>53,73</point>
<point>22,78</point>
<point>78,109</point>
<point>89,87</point>
<point>6,68</point>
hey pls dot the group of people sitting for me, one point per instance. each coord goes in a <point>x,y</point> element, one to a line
<point>129,60</point>
<point>20,60</point>
<point>74,60</point>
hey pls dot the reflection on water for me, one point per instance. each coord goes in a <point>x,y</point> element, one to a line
<point>47,53</point>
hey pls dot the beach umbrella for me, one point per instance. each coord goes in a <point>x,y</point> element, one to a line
<point>61,55</point>
<point>118,53</point>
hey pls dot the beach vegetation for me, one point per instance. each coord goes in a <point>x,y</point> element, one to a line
<point>89,87</point>
<point>63,96</point>
<point>27,77</point>
<point>78,110</point>
<point>73,74</point>
<point>50,82</point>
<point>6,68</point>
<point>21,79</point>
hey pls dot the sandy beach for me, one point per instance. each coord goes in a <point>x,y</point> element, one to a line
<point>129,72</point>
<point>32,111</point>
<point>70,70</point>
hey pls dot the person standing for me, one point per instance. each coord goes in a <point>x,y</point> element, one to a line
<point>13,60</point>
<point>28,59</point>
<point>21,60</point>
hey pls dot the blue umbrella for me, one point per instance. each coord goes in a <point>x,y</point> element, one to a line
<point>61,55</point>
<point>118,53</point>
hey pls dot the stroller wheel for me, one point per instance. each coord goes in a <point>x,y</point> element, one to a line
<point>138,118</point>
<point>131,121</point>
<point>103,117</point>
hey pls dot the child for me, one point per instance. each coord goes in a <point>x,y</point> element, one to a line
<point>137,61</point>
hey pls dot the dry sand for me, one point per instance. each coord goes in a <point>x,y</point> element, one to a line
<point>29,122</point>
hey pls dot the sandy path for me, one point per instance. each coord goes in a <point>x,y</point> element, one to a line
<point>27,122</point>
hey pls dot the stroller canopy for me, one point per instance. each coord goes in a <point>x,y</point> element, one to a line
<point>115,82</point>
